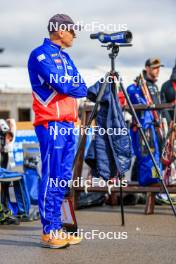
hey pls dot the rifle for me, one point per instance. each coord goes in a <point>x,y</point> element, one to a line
<point>150,102</point>
<point>169,151</point>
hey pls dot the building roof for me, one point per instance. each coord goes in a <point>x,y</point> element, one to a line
<point>16,79</point>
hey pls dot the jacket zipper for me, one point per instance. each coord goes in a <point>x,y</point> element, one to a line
<point>75,102</point>
<point>58,111</point>
<point>75,105</point>
<point>65,67</point>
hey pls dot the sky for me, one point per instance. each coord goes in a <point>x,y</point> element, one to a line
<point>153,25</point>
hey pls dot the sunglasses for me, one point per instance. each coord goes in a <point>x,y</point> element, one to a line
<point>71,31</point>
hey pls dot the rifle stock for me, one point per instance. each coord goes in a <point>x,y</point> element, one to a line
<point>150,102</point>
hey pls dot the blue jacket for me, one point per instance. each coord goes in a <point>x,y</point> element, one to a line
<point>109,154</point>
<point>146,171</point>
<point>56,83</point>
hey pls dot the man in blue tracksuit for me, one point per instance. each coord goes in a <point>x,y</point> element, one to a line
<point>56,84</point>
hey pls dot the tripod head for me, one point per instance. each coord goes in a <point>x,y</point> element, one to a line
<point>114,48</point>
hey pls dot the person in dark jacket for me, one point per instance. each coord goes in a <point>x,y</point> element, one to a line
<point>150,73</point>
<point>168,93</point>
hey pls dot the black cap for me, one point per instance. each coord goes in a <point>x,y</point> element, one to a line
<point>153,63</point>
<point>63,22</point>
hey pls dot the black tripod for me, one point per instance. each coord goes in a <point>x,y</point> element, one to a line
<point>111,75</point>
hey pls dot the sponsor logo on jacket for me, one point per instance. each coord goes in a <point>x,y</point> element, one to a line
<point>58,61</point>
<point>54,54</point>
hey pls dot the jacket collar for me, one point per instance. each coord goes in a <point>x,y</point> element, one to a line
<point>50,43</point>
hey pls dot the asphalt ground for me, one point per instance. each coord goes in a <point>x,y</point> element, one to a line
<point>150,239</point>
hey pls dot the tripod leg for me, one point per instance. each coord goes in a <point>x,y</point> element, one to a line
<point>114,90</point>
<point>92,116</point>
<point>146,142</point>
<point>121,202</point>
